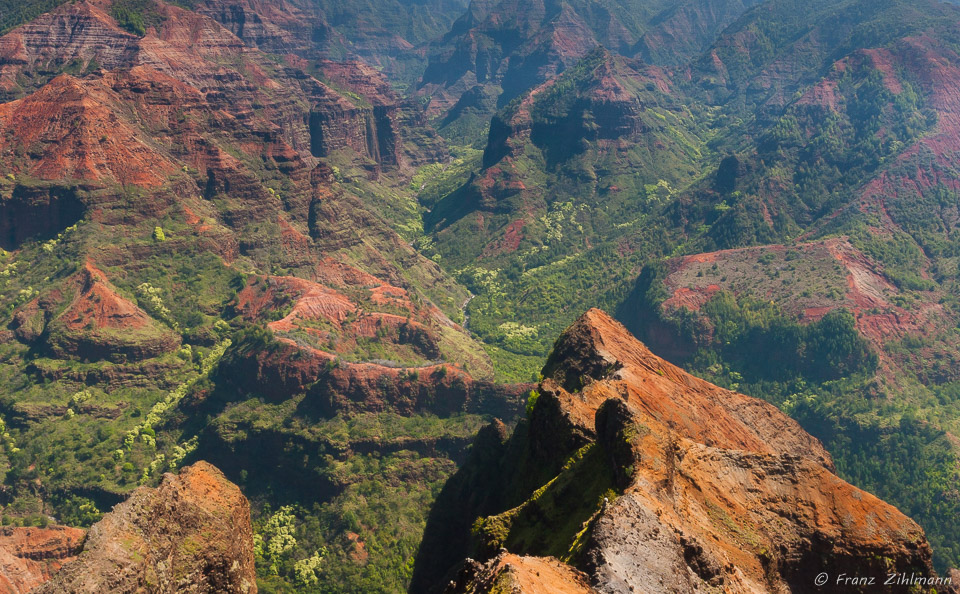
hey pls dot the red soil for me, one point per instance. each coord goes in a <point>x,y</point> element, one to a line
<point>337,274</point>
<point>99,304</point>
<point>510,241</point>
<point>30,556</point>
<point>83,137</point>
<point>692,299</point>
<point>883,61</point>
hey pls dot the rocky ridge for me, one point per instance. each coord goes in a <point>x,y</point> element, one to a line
<point>512,573</point>
<point>198,265</point>
<point>705,488</point>
<point>191,533</point>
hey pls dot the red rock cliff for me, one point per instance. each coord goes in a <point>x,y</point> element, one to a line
<point>192,533</point>
<point>30,556</point>
<point>705,488</point>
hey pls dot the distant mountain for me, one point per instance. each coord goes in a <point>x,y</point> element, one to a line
<point>683,30</point>
<point>389,34</point>
<point>500,49</point>
<point>568,171</point>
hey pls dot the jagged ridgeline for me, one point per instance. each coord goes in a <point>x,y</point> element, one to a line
<point>324,244</point>
<point>615,474</point>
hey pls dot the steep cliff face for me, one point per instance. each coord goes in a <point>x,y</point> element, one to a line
<point>192,49</point>
<point>31,556</point>
<point>660,481</point>
<point>830,190</point>
<point>280,28</point>
<point>367,126</point>
<point>37,212</point>
<point>172,119</point>
<point>192,533</point>
<point>397,132</point>
<point>81,33</point>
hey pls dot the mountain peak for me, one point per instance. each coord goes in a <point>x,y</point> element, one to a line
<point>191,532</point>
<point>680,485</point>
<point>597,359</point>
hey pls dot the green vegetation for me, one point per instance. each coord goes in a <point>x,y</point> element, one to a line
<point>136,16</point>
<point>910,464</point>
<point>552,520</point>
<point>756,340</point>
<point>353,519</point>
<point>17,12</point>
<point>513,368</point>
<point>544,232</point>
<point>651,167</point>
<point>546,229</point>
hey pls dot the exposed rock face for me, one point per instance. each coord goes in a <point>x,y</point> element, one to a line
<point>81,32</point>
<point>190,48</point>
<point>101,324</point>
<point>83,136</point>
<point>30,556</point>
<point>394,130</point>
<point>190,534</point>
<point>275,27</point>
<point>710,488</point>
<point>609,101</point>
<point>333,387</point>
<point>166,118</point>
<point>520,575</point>
<point>597,359</point>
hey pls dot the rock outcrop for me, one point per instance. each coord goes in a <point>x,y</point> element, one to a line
<point>190,534</point>
<point>658,481</point>
<point>101,324</point>
<point>513,573</point>
<point>30,556</point>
